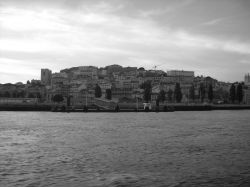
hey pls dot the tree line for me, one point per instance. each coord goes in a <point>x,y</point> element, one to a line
<point>98,92</point>
<point>171,95</point>
<point>236,93</point>
<point>176,95</point>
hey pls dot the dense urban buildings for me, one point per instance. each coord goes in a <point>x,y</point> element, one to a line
<point>78,85</point>
<point>247,89</point>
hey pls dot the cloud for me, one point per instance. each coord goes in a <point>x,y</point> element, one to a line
<point>213,22</point>
<point>204,42</point>
<point>97,34</point>
<point>24,20</point>
<point>245,61</point>
<point>101,32</point>
<point>17,70</point>
<point>167,8</point>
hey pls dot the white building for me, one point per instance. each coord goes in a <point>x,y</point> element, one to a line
<point>184,77</point>
<point>180,73</point>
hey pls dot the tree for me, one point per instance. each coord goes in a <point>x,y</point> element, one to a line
<point>162,95</point>
<point>147,91</point>
<point>232,93</point>
<point>21,94</point>
<point>191,93</point>
<point>170,95</point>
<point>239,92</point>
<point>108,94</point>
<point>68,99</point>
<point>98,91</point>
<point>225,96</point>
<point>38,95</point>
<point>31,95</point>
<point>6,94</point>
<point>210,93</point>
<point>57,98</point>
<point>202,92</point>
<point>14,94</point>
<point>178,93</point>
<point>157,102</point>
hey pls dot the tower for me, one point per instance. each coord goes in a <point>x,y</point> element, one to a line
<point>46,76</point>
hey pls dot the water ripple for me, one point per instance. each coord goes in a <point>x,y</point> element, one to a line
<point>129,149</point>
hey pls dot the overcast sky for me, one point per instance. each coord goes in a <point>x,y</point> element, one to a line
<point>210,37</point>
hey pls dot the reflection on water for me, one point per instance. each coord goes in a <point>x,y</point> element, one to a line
<point>125,149</point>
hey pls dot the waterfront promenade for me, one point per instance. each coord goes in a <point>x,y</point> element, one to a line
<point>122,107</point>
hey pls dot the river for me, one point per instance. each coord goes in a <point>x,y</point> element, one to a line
<point>209,148</point>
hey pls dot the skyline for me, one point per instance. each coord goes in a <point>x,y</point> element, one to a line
<point>210,38</point>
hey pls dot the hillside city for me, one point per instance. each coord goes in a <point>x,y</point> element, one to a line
<point>125,85</point>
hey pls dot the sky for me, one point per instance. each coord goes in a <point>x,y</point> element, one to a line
<point>210,37</point>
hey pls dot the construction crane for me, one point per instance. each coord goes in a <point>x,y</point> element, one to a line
<point>156,66</point>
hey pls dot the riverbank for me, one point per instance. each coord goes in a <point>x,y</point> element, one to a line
<point>167,108</point>
<point>25,107</point>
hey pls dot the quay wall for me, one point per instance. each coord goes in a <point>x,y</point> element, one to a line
<point>177,107</point>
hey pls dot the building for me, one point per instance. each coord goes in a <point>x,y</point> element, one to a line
<point>34,90</point>
<point>81,97</point>
<point>34,81</point>
<point>180,73</point>
<point>84,73</point>
<point>246,97</point>
<point>46,76</point>
<point>135,83</point>
<point>184,77</point>
<point>7,90</point>
<point>104,85</point>
<point>247,79</point>
<point>59,78</point>
<point>121,92</point>
<point>102,72</point>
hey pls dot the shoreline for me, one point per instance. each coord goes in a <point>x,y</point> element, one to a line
<point>169,108</point>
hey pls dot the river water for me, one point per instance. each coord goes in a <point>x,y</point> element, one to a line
<point>210,148</point>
